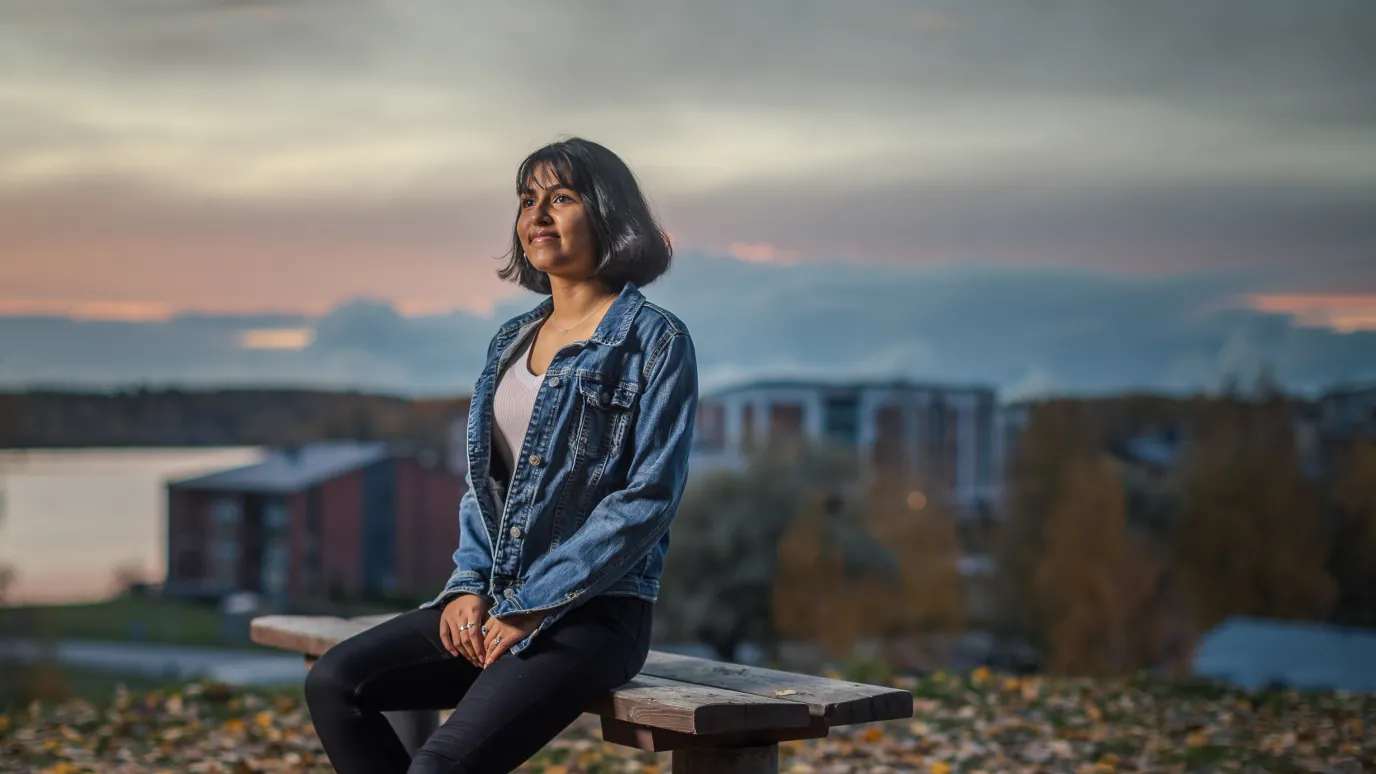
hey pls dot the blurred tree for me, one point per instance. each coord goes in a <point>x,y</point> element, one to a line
<point>1076,578</point>
<point>1353,556</point>
<point>1101,588</point>
<point>920,528</point>
<point>1250,539</point>
<point>720,575</point>
<point>1059,433</point>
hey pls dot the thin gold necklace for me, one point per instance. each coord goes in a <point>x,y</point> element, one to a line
<point>565,331</point>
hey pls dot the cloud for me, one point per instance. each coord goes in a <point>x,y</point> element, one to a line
<point>177,166</point>
<point>1029,331</point>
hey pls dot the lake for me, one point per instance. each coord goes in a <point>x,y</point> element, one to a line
<point>70,519</point>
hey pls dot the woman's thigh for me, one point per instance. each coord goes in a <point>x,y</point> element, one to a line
<point>399,664</point>
<point>520,702</point>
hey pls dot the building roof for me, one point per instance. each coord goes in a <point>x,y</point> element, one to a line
<point>1257,652</point>
<point>290,469</point>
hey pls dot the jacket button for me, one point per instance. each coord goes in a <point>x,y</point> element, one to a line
<point>605,397</point>
<point>535,460</point>
<point>554,381</point>
<point>509,593</point>
<point>515,532</point>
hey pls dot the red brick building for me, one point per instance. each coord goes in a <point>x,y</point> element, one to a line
<point>333,518</point>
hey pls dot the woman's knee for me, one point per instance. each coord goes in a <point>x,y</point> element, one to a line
<point>329,679</point>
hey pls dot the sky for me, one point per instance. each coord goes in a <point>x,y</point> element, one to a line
<point>1066,196</point>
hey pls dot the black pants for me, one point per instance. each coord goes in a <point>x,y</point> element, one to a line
<point>502,715</point>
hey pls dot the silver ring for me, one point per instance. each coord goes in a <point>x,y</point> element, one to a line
<point>497,640</point>
<point>484,630</point>
<point>466,626</point>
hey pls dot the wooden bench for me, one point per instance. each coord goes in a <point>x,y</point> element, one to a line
<point>715,717</point>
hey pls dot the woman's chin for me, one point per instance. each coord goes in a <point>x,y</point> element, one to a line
<point>567,269</point>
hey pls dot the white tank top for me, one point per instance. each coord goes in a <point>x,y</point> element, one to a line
<point>513,403</point>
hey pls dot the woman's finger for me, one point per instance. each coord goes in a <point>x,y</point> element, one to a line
<point>499,638</point>
<point>447,636</point>
<point>469,639</point>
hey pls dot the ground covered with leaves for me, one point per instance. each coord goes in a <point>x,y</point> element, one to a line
<point>962,723</point>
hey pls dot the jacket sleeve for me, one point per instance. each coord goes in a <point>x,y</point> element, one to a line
<point>473,557</point>
<point>633,519</point>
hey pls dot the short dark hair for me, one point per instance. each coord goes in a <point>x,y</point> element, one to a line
<point>629,242</point>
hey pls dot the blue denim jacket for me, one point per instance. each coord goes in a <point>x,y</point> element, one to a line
<point>599,475</point>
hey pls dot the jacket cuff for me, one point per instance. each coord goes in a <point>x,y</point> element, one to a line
<point>512,605</point>
<point>453,589</point>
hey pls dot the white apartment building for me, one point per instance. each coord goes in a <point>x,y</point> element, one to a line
<point>951,435</point>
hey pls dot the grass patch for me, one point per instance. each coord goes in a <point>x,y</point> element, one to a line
<point>124,619</point>
<point>56,682</point>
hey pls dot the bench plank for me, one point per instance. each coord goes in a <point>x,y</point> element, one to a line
<point>308,634</point>
<point>697,709</point>
<point>839,702</point>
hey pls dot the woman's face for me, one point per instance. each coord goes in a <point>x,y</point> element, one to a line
<point>553,228</point>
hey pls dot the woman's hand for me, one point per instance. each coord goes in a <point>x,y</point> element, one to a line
<point>502,633</point>
<point>460,626</point>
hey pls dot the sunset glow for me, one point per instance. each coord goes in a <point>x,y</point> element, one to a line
<point>1343,312</point>
<point>282,338</point>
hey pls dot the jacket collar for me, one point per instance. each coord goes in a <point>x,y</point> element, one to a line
<point>613,328</point>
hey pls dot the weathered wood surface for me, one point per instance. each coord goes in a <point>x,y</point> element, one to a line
<point>696,709</point>
<point>839,702</point>
<point>308,634</point>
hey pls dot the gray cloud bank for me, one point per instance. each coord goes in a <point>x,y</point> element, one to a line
<point>1029,332</point>
<point>1162,136</point>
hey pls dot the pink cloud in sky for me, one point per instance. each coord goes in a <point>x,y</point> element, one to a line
<point>761,252</point>
<point>1343,312</point>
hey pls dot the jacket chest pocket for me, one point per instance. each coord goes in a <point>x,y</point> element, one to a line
<point>605,412</point>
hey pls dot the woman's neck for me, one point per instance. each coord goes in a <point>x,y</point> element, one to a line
<point>577,299</point>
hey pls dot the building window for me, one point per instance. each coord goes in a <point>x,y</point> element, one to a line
<point>275,517</point>
<point>276,538</point>
<point>888,454</point>
<point>951,461</point>
<point>748,428</point>
<point>710,432</point>
<point>984,441</point>
<point>226,515</point>
<point>934,442</point>
<point>274,576</point>
<point>785,424</point>
<point>841,421</point>
<point>314,539</point>
<point>227,511</point>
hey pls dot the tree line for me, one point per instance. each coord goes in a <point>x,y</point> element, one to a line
<point>220,417</point>
<point>1102,564</point>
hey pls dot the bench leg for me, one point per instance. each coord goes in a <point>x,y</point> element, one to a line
<point>759,759</point>
<point>413,728</point>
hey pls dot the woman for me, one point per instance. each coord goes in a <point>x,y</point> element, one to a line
<point>578,440</point>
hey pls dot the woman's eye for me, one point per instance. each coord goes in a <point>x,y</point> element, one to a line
<point>565,197</point>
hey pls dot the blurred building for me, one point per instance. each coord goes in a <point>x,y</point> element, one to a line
<point>952,436</point>
<point>329,518</point>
